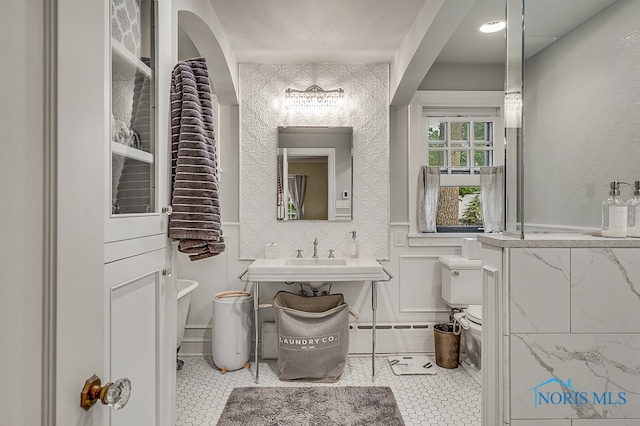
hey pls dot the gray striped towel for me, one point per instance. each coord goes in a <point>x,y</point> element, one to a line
<point>195,220</point>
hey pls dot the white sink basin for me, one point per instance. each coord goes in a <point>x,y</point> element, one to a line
<point>315,262</point>
<point>308,270</point>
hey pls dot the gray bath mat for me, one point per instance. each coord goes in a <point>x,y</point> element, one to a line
<point>306,406</point>
<point>416,364</point>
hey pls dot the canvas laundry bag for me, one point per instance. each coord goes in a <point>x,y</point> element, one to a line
<point>313,336</point>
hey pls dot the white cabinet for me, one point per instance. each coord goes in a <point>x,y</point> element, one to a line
<point>140,336</point>
<point>110,309</point>
<point>137,184</point>
<point>139,285</point>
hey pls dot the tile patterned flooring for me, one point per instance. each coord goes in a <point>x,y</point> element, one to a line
<point>449,398</point>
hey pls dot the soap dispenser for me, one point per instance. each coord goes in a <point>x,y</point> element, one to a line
<point>614,213</point>
<point>353,245</point>
<point>633,207</point>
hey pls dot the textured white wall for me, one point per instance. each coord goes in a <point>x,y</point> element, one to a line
<point>582,126</point>
<point>366,109</point>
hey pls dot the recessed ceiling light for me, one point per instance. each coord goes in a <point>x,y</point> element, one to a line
<point>492,27</point>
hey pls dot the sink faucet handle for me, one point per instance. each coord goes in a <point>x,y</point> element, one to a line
<point>299,253</point>
<point>331,253</point>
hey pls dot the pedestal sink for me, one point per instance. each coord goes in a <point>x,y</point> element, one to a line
<point>320,269</point>
<point>315,262</point>
<point>317,271</point>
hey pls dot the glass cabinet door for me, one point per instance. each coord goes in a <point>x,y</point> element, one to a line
<point>133,141</point>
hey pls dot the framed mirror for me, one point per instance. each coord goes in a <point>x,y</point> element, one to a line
<point>315,178</point>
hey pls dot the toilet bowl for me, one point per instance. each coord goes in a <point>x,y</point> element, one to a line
<point>473,336</point>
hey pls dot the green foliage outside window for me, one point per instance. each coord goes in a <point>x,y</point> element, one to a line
<point>466,190</point>
<point>472,213</point>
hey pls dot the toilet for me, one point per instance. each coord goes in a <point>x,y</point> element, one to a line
<point>462,290</point>
<point>473,337</point>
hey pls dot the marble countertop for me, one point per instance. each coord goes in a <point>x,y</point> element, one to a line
<point>557,240</point>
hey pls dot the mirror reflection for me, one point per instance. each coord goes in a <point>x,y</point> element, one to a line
<point>314,173</point>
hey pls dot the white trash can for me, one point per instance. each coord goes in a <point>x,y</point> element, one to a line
<point>231,330</point>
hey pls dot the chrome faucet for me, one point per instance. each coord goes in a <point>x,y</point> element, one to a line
<point>315,248</point>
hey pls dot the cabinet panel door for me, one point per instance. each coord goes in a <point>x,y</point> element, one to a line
<point>139,342</point>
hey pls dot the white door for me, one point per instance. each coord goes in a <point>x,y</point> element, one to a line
<point>72,306</point>
<point>115,308</point>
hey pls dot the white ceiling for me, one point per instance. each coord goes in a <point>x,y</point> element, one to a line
<point>410,35</point>
<point>305,31</point>
<point>366,31</point>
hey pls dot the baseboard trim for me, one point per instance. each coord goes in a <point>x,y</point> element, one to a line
<point>390,339</point>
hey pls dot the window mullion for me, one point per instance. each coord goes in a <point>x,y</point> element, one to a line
<point>449,156</point>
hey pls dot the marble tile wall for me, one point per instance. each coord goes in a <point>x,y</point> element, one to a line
<point>574,336</point>
<point>603,369</point>
<point>605,290</point>
<point>539,303</point>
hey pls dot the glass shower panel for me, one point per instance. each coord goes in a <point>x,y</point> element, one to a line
<point>133,142</point>
<point>571,109</point>
<point>514,89</point>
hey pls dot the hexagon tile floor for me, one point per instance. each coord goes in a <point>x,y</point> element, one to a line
<point>448,398</point>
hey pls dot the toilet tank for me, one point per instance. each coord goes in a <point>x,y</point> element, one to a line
<point>461,281</point>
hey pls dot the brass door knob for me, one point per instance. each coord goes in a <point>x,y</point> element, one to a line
<point>115,395</point>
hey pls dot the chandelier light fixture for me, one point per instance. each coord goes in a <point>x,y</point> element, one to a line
<point>314,97</point>
<point>513,109</point>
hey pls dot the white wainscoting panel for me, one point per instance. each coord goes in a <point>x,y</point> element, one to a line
<point>421,283</point>
<point>412,297</point>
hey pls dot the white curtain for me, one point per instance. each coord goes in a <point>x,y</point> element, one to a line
<point>297,189</point>
<point>428,191</point>
<point>492,196</point>
<point>282,207</point>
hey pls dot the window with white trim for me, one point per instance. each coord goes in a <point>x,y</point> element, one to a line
<point>459,142</point>
<point>459,146</point>
<point>459,132</point>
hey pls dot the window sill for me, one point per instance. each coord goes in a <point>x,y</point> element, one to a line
<point>459,229</point>
<point>439,239</point>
